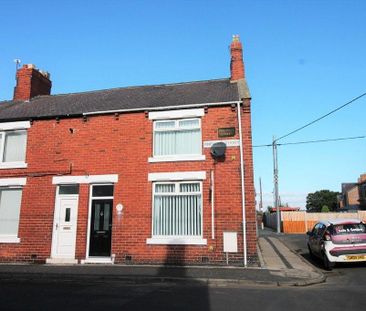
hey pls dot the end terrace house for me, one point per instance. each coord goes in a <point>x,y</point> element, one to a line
<point>146,174</point>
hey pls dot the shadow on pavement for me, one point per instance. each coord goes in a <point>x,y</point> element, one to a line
<point>178,286</point>
<point>316,262</point>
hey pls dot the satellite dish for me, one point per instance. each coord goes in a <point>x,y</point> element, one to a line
<point>218,150</point>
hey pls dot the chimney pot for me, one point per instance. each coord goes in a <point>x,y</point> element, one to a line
<point>236,38</point>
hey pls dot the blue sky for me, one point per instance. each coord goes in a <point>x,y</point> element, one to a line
<point>302,59</point>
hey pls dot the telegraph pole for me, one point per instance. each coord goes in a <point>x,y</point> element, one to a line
<point>275,182</point>
<point>261,196</point>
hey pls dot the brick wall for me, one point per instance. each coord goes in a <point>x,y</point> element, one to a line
<point>110,145</point>
<point>353,197</point>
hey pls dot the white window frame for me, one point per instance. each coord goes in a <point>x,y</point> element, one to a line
<point>176,114</point>
<point>177,176</point>
<point>177,157</point>
<point>176,240</point>
<point>12,183</point>
<point>85,179</point>
<point>9,127</point>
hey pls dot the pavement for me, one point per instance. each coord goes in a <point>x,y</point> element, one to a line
<point>279,266</point>
<point>280,260</point>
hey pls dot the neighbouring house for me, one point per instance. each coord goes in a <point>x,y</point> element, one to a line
<point>349,195</point>
<point>145,174</point>
<point>354,194</point>
<point>362,191</point>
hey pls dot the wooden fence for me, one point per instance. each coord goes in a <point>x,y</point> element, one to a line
<point>300,222</point>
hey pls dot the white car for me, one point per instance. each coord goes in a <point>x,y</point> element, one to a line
<point>339,240</point>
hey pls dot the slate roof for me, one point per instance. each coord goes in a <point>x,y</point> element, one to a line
<point>139,97</point>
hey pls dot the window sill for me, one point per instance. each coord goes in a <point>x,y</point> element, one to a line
<point>9,239</point>
<point>177,158</point>
<point>9,165</point>
<point>177,241</point>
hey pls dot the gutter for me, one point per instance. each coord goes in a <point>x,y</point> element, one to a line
<point>242,186</point>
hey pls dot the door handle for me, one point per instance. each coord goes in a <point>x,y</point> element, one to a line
<point>56,226</point>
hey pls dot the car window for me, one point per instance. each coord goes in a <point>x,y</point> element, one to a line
<point>314,232</point>
<point>348,229</point>
<point>321,229</point>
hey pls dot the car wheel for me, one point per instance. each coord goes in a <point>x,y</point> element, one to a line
<point>327,264</point>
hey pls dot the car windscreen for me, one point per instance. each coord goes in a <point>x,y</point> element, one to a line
<point>348,229</point>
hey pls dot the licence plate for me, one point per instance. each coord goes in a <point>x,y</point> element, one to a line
<point>356,257</point>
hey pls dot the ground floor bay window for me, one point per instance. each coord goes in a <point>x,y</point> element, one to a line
<point>177,213</point>
<point>10,201</point>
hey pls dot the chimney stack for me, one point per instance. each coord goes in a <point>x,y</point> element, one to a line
<point>236,63</point>
<point>31,82</point>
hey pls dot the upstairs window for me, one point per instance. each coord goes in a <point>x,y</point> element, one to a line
<point>177,137</point>
<point>13,146</point>
<point>13,141</point>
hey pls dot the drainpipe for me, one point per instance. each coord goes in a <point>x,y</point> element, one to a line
<point>212,205</point>
<point>242,186</point>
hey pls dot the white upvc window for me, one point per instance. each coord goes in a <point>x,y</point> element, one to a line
<point>10,201</point>
<point>13,143</point>
<point>177,139</point>
<point>177,135</point>
<point>177,212</point>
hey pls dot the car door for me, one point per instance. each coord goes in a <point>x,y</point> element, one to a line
<point>312,238</point>
<point>319,239</point>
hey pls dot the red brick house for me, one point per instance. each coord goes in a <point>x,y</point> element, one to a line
<point>354,194</point>
<point>128,175</point>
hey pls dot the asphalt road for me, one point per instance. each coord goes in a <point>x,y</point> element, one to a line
<point>341,275</point>
<point>112,295</point>
<point>344,290</point>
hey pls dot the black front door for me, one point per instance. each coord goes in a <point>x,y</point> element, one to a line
<point>101,228</point>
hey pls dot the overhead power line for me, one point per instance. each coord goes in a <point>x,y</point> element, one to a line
<point>313,141</point>
<point>274,146</point>
<point>321,140</point>
<point>322,117</point>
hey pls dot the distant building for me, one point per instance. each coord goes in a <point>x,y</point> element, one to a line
<point>349,194</point>
<point>354,194</point>
<point>362,191</point>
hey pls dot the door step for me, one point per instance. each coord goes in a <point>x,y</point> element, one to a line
<point>98,260</point>
<point>61,261</point>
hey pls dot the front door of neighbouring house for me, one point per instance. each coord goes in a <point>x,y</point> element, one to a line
<point>101,228</point>
<point>65,222</point>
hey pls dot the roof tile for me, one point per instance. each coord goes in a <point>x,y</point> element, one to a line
<point>139,97</point>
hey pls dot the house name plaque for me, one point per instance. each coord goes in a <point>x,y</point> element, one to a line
<point>226,132</point>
